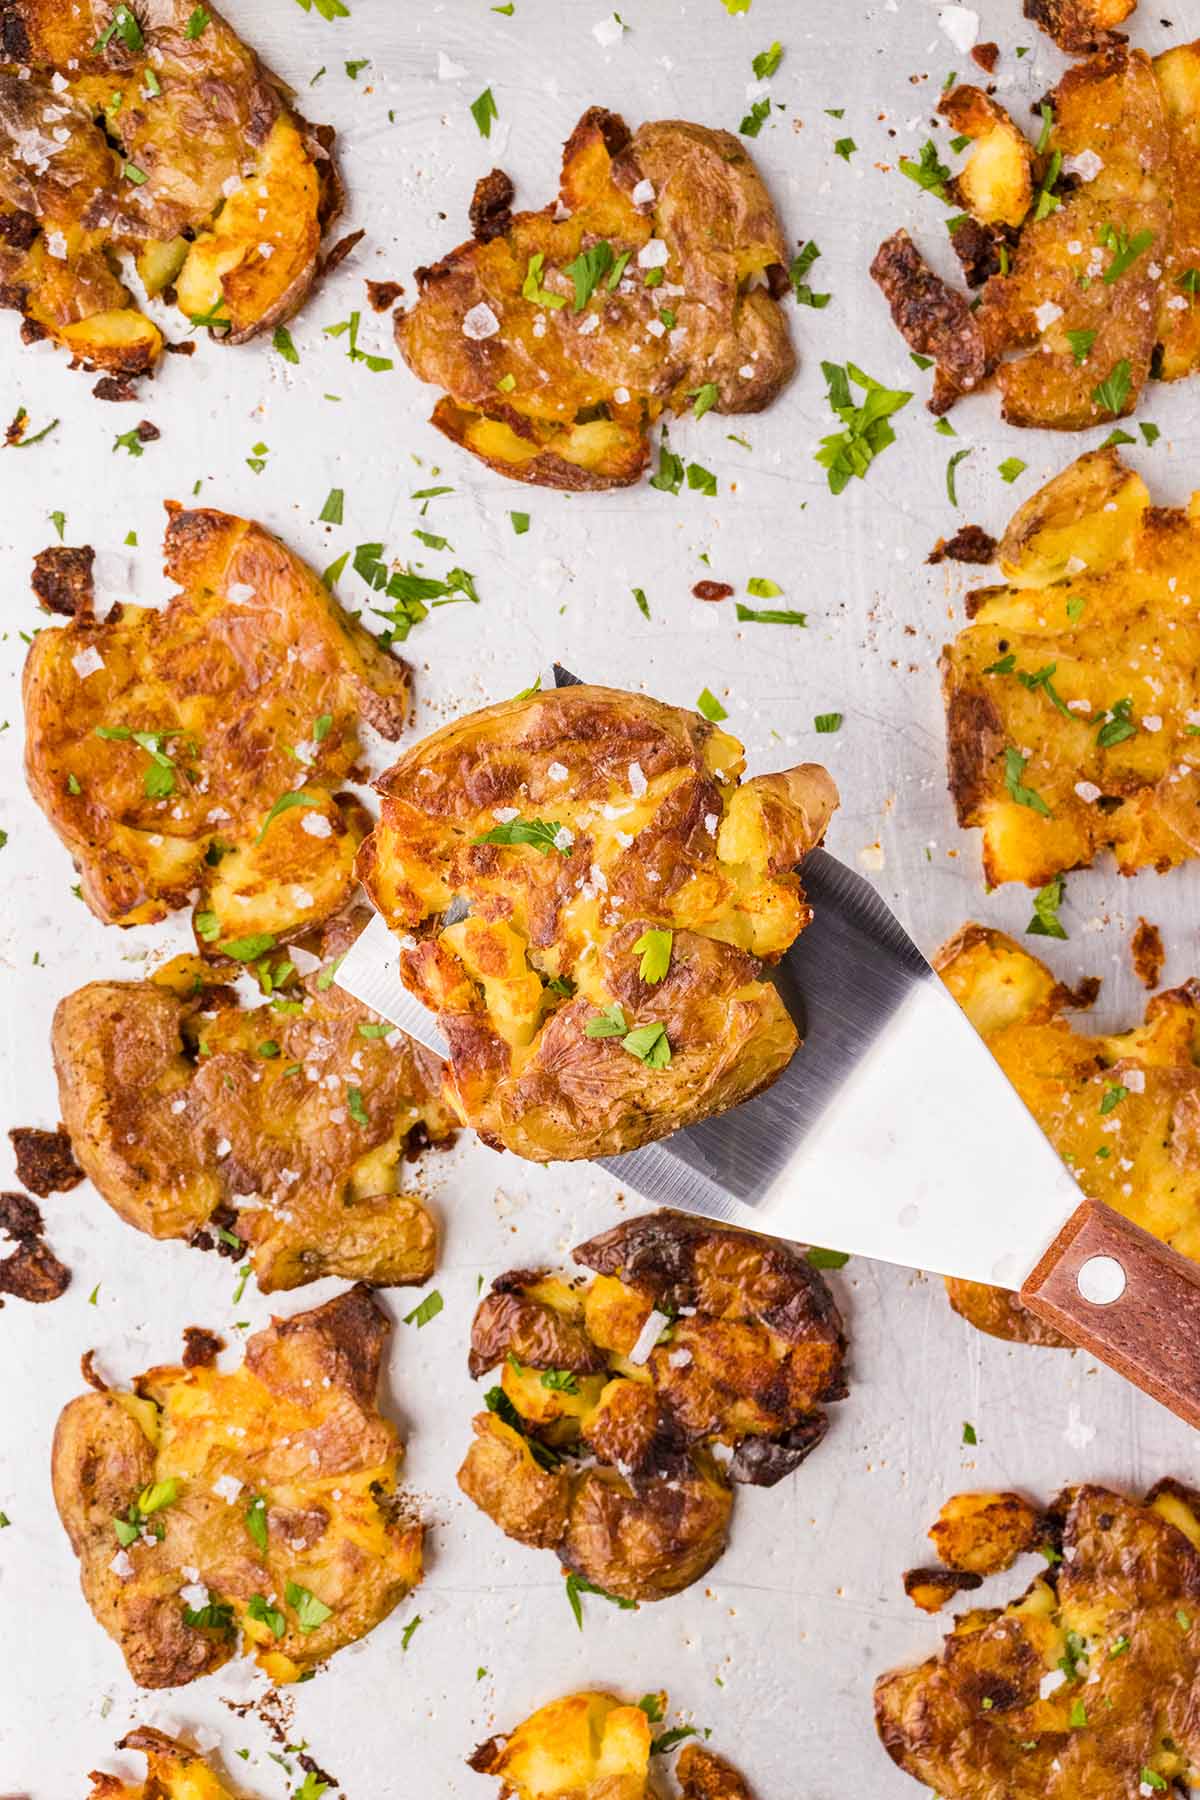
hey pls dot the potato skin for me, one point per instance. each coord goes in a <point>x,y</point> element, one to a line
<point>562,396</point>
<point>172,1135</point>
<point>1080,26</point>
<point>1126,642</point>
<point>315,1448</point>
<point>249,617</point>
<point>1119,1614</point>
<point>755,1345</point>
<point>653,833</point>
<point>236,190</point>
<point>1151,1172</point>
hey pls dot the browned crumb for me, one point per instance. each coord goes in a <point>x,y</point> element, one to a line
<point>62,581</point>
<point>340,251</point>
<point>45,1164</point>
<point>1146,949</point>
<point>986,55</point>
<point>383,295</point>
<point>200,1347</point>
<point>116,387</point>
<point>147,432</point>
<point>970,545</point>
<point>712,590</point>
<point>32,1272</point>
<point>930,1589</point>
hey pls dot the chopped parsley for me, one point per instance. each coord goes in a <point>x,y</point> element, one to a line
<point>643,605</point>
<point>58,520</point>
<point>285,802</point>
<point>355,68</point>
<point>1150,432</point>
<point>131,442</point>
<point>1118,725</point>
<point>703,398</point>
<point>1113,1095</point>
<point>798,273</point>
<point>1045,921</point>
<point>770,615</point>
<point>376,364</point>
<point>826,1259</point>
<point>255,1520</point>
<point>654,948</point>
<point>1125,249</point>
<point>217,1615</point>
<point>929,173</point>
<point>331,512</point>
<point>845,148</point>
<point>1081,345</point>
<point>282,341</point>
<point>868,429</point>
<point>1043,143</point>
<point>1014,769</point>
<point>560,1381</point>
<point>122,24</point>
<point>669,478</point>
<point>826,723</point>
<point>951,467</point>
<point>427,1309</point>
<point>649,1044</point>
<point>767,61</point>
<point>969,1434</point>
<point>310,1612</point>
<point>1011,467</point>
<point>1112,393</point>
<point>1048,201</point>
<point>257,1608</point>
<point>358,1111</point>
<point>484,110</point>
<point>609,1023</point>
<point>540,834</point>
<point>406,1636</point>
<point>531,287</point>
<point>670,1739</point>
<point>197,24</point>
<point>578,1584</point>
<point>588,269</point>
<point>710,707</point>
<point>701,480</point>
<point>763,588</point>
<point>520,523</point>
<point>753,121</point>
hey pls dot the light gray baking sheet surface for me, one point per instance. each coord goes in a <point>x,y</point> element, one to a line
<point>777,1649</point>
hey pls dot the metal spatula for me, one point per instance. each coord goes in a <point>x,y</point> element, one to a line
<point>893,1133</point>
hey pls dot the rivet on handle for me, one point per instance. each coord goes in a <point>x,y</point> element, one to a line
<point>1101,1280</point>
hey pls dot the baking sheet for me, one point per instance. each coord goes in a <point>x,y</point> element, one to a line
<point>776,1651</point>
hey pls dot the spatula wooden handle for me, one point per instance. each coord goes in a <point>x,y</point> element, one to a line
<point>1120,1293</point>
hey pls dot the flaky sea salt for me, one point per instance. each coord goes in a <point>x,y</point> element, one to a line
<point>481,322</point>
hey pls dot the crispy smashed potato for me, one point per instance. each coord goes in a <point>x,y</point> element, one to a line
<point>174,1771</point>
<point>1088,246</point>
<point>170,747</point>
<point>262,1501</point>
<point>984,1534</point>
<point>124,131</point>
<point>1072,697</point>
<point>1080,26</point>
<point>691,1336</point>
<point>1122,1111</point>
<point>560,336</point>
<point>283,1127</point>
<point>592,1746</point>
<point>1084,1689</point>
<point>624,890</point>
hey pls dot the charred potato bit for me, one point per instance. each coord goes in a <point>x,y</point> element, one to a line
<point>691,1336</point>
<point>1123,1111</point>
<point>167,747</point>
<point>262,1501</point>
<point>174,1771</point>
<point>282,1129</point>
<point>560,336</point>
<point>592,1746</point>
<point>1080,26</point>
<point>624,890</point>
<point>983,1534</point>
<point>1081,1690</point>
<point>122,131</point>
<point>1090,244</point>
<point>1070,698</point>
<point>930,1589</point>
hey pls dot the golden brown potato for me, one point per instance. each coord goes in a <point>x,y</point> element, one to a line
<point>282,1126</point>
<point>1089,280</point>
<point>592,1746</point>
<point>174,1771</point>
<point>1081,1690</point>
<point>1072,696</point>
<point>1080,26</point>
<point>560,336</point>
<point>1123,1111</point>
<point>692,1335</point>
<point>603,989</point>
<point>123,131</point>
<point>262,1501</point>
<point>983,1534</point>
<point>169,747</point>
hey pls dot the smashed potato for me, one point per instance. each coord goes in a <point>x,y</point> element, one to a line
<point>283,1127</point>
<point>201,746</point>
<point>624,890</point>
<point>560,336</point>
<point>1072,697</point>
<point>127,131</point>
<point>592,1746</point>
<point>1087,247</point>
<point>1084,1688</point>
<point>692,1336</point>
<point>262,1501</point>
<point>174,1771</point>
<point>1123,1111</point>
